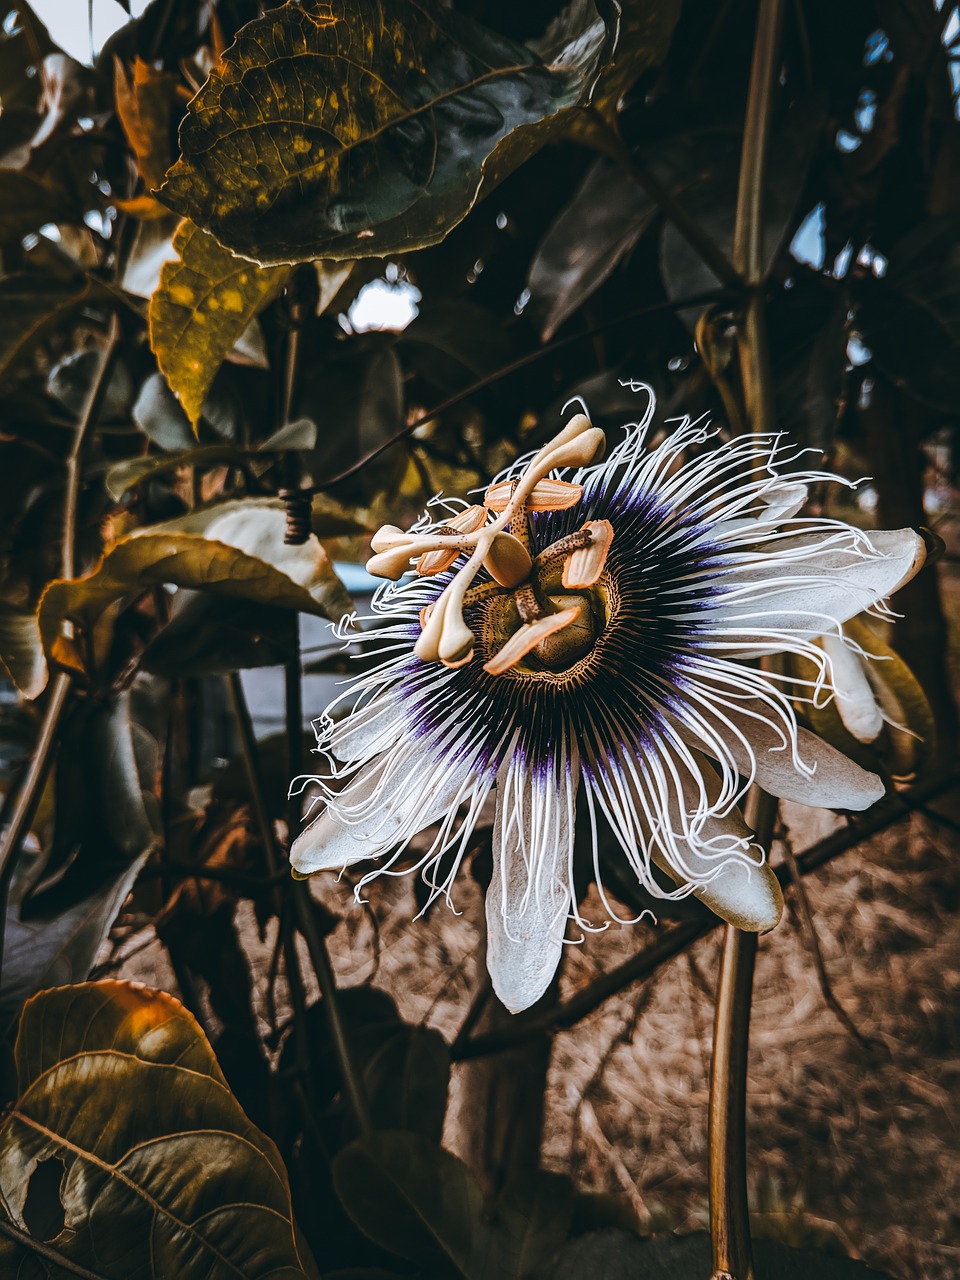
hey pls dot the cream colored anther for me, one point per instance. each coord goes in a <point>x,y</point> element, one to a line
<point>391,564</point>
<point>387,537</point>
<point>584,566</point>
<point>547,495</point>
<point>468,521</point>
<point>508,560</point>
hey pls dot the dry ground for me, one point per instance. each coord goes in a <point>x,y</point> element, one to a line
<point>856,1143</point>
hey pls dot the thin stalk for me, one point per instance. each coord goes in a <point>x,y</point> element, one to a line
<point>24,806</point>
<point>306,921</point>
<point>42,1250</point>
<point>488,380</point>
<point>88,416</point>
<point>729,1214</point>
<point>748,258</point>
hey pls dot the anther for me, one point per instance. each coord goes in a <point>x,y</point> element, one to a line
<point>585,565</point>
<point>466,522</point>
<point>527,638</point>
<point>547,495</point>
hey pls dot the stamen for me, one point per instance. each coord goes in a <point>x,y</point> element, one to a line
<point>547,495</point>
<point>527,638</point>
<point>468,521</point>
<point>387,537</point>
<point>585,565</point>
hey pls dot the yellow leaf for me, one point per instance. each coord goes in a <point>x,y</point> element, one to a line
<point>205,301</point>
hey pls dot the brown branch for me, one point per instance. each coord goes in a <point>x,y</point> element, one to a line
<point>809,930</point>
<point>677,304</point>
<point>673,942</point>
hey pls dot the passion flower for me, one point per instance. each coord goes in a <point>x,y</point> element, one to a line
<point>585,642</point>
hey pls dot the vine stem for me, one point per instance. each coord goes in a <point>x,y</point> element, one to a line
<point>729,1213</point>
<point>28,793</point>
<point>303,908</point>
<point>46,1251</point>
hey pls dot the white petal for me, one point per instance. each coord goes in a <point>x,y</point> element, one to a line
<point>856,701</point>
<point>529,895</point>
<point>368,730</point>
<point>827,780</point>
<point>809,596</point>
<point>747,896</point>
<point>780,502</point>
<point>388,802</point>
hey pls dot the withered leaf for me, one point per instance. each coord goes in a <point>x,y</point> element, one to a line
<point>163,1173</point>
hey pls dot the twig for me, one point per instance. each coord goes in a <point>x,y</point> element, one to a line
<point>24,807</point>
<point>46,1251</point>
<point>809,930</point>
<point>677,304</point>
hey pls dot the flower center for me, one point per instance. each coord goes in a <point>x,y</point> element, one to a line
<point>540,615</point>
<point>555,648</point>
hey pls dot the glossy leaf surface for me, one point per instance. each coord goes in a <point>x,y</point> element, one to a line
<point>21,653</point>
<point>356,129</point>
<point>163,1173</point>
<point>235,549</point>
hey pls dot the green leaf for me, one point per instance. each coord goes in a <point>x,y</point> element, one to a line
<point>60,946</point>
<point>417,1200</point>
<point>592,234</point>
<point>234,549</point>
<point>637,36</point>
<point>911,318</point>
<point>407,1081</point>
<point>21,653</point>
<point>533,1215</point>
<point>209,636</point>
<point>205,301</point>
<point>62,903</point>
<point>365,127</point>
<point>26,203</point>
<point>163,1173</point>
